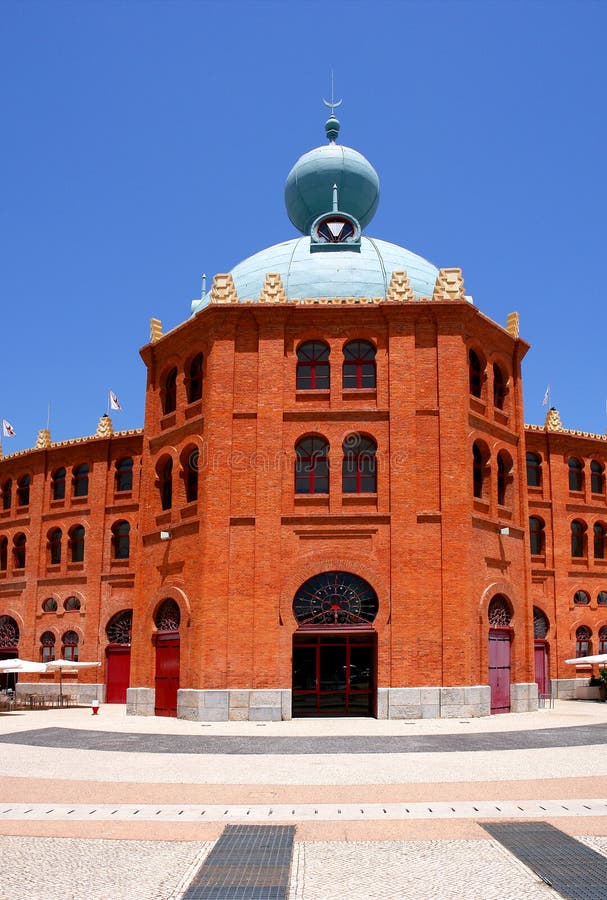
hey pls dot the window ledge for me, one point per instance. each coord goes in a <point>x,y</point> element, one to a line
<point>312,500</point>
<point>120,563</point>
<point>168,420</point>
<point>361,499</point>
<point>302,394</point>
<point>80,501</point>
<point>193,409</point>
<point>191,509</point>
<point>164,518</point>
<point>53,569</point>
<point>500,416</point>
<point>123,495</point>
<point>359,394</point>
<point>75,566</point>
<point>481,505</point>
<point>57,504</point>
<point>478,405</point>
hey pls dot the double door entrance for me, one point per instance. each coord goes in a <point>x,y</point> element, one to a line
<point>334,674</point>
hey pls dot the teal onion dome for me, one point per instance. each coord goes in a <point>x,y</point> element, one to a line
<point>309,187</point>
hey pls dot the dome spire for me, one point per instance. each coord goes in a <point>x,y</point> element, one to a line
<point>332,123</point>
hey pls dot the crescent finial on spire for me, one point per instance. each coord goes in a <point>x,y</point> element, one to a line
<point>332,123</point>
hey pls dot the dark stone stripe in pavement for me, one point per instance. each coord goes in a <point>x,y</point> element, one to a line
<point>570,867</point>
<point>242,745</point>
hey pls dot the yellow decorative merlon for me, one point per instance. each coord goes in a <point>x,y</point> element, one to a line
<point>400,290</point>
<point>553,420</point>
<point>105,427</point>
<point>155,330</point>
<point>43,440</point>
<point>449,285</point>
<point>273,290</point>
<point>223,290</point>
<point>512,323</point>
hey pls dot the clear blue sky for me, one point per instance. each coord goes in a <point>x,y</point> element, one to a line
<point>146,142</point>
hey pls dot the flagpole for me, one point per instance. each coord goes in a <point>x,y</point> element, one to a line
<point>48,417</point>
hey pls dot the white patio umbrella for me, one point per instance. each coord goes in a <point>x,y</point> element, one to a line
<point>21,665</point>
<point>599,659</point>
<point>61,665</point>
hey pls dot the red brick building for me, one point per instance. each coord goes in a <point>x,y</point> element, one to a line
<point>333,507</point>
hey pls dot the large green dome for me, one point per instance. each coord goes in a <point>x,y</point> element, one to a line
<point>308,191</point>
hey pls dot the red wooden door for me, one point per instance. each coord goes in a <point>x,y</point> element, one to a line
<point>541,668</point>
<point>117,673</point>
<point>499,670</point>
<point>167,673</point>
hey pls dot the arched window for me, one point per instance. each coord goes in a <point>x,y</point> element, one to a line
<point>576,473</point>
<point>540,624</point>
<point>499,613</point>
<point>312,466</point>
<point>121,540</point>
<point>7,493</point>
<point>359,469</point>
<point>189,461</point>
<point>168,616</point>
<point>124,474</point>
<point>480,470</point>
<point>80,482</point>
<point>23,490</point>
<point>475,374</point>
<point>194,379</point>
<point>47,648</point>
<point>335,598</point>
<point>504,478</point>
<point>581,598</point>
<point>49,605</point>
<point>54,546</point>
<point>499,387</point>
<point>583,641</point>
<point>118,629</point>
<point>3,554</point>
<point>578,538</point>
<point>19,542</point>
<point>313,371</point>
<point>599,541</point>
<point>597,477</point>
<point>534,470</point>
<point>9,633</point>
<point>536,536</point>
<point>69,650</point>
<point>72,604</point>
<point>603,639</point>
<point>359,365</point>
<point>169,392</point>
<point>76,543</point>
<point>601,598</point>
<point>166,484</point>
<point>58,484</point>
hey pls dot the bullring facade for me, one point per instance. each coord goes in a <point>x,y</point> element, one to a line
<point>333,507</point>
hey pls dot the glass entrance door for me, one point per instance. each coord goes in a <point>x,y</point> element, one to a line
<point>333,675</point>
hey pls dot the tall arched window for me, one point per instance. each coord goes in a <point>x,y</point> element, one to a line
<point>597,477</point>
<point>168,616</point>
<point>313,372</point>
<point>23,490</point>
<point>504,478</point>
<point>603,639</point>
<point>312,466</point>
<point>583,641</point>
<point>194,379</point>
<point>534,469</point>
<point>69,650</point>
<point>9,633</point>
<point>80,480</point>
<point>499,613</point>
<point>54,546</point>
<point>480,471</point>
<point>7,493</point>
<point>359,469</point>
<point>19,542</point>
<point>540,624</point>
<point>3,554</point>
<point>169,392</point>
<point>576,473</point>
<point>359,365</point>
<point>76,543</point>
<point>47,646</point>
<point>121,539</point>
<point>58,484</point>
<point>118,629</point>
<point>578,535</point>
<point>166,484</point>
<point>475,374</point>
<point>599,541</point>
<point>499,387</point>
<point>536,536</point>
<point>189,461</point>
<point>124,474</point>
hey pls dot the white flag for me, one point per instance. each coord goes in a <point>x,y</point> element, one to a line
<point>114,404</point>
<point>7,429</point>
<point>546,399</point>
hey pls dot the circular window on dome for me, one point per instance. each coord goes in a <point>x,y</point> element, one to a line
<point>335,598</point>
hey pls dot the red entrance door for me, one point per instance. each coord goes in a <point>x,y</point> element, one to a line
<point>167,673</point>
<point>117,672</point>
<point>499,670</point>
<point>541,668</point>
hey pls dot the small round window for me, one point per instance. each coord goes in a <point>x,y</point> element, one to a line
<point>71,603</point>
<point>49,605</point>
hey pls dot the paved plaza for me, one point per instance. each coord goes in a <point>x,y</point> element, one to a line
<point>111,806</point>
